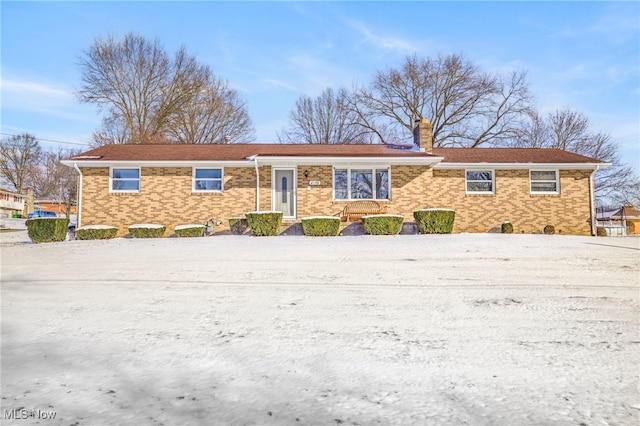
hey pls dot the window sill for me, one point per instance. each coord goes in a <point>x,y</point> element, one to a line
<point>207,192</point>
<point>360,199</point>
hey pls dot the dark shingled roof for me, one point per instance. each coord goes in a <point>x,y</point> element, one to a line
<point>239,152</point>
<point>510,155</point>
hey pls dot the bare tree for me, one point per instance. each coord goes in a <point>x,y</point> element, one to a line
<point>48,173</point>
<point>138,81</point>
<point>18,155</point>
<point>326,119</point>
<point>533,132</point>
<point>50,179</point>
<point>114,131</point>
<point>214,115</point>
<point>466,106</point>
<point>569,130</point>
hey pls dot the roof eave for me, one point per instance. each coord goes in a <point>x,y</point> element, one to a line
<point>267,160</point>
<point>328,161</point>
<point>154,163</point>
<point>515,166</point>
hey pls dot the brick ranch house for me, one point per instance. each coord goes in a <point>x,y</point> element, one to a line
<point>121,185</point>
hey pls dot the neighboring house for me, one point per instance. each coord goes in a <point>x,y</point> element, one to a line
<point>11,203</point>
<point>620,222</point>
<point>612,227</point>
<point>629,218</point>
<point>178,184</point>
<point>56,206</point>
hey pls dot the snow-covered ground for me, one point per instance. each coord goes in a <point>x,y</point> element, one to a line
<point>483,329</point>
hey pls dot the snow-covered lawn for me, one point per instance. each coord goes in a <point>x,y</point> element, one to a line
<point>439,330</point>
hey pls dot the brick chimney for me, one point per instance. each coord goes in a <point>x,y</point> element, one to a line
<point>423,135</point>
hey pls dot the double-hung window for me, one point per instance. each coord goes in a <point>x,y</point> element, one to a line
<point>480,181</point>
<point>207,180</point>
<point>361,184</point>
<point>125,180</point>
<point>544,182</point>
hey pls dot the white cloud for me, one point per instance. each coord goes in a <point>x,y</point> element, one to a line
<point>34,96</point>
<point>619,24</point>
<point>386,43</point>
<point>578,71</point>
<point>309,74</point>
<point>280,84</point>
<point>33,89</point>
<point>42,108</point>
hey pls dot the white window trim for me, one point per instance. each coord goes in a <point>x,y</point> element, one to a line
<point>200,191</point>
<point>557,181</point>
<point>493,182</point>
<point>363,167</point>
<point>121,191</point>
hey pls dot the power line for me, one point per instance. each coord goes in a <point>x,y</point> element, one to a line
<point>49,140</point>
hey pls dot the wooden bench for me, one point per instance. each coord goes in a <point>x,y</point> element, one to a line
<point>356,209</point>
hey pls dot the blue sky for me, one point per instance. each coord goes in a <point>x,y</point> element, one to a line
<point>582,55</point>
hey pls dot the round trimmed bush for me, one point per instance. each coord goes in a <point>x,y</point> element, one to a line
<point>434,221</point>
<point>264,224</point>
<point>147,230</point>
<point>549,230</point>
<point>191,230</point>
<point>47,229</point>
<point>321,226</point>
<point>96,232</point>
<point>383,224</point>
<point>601,232</point>
<point>507,228</point>
<point>238,225</point>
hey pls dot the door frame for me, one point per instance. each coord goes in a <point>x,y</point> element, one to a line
<point>294,190</point>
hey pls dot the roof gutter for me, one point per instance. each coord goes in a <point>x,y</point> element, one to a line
<point>155,163</point>
<point>522,166</point>
<point>265,160</point>
<point>333,160</point>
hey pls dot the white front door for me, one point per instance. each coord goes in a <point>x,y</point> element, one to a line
<point>284,193</point>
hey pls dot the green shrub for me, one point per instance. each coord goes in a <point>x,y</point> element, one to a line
<point>507,228</point>
<point>434,221</point>
<point>264,223</point>
<point>238,225</point>
<point>601,232</point>
<point>47,229</point>
<point>382,224</point>
<point>549,230</point>
<point>147,231</point>
<point>96,232</point>
<point>189,230</point>
<point>321,226</point>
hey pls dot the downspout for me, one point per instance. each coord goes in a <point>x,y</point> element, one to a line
<point>75,166</point>
<point>592,196</point>
<point>254,158</point>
